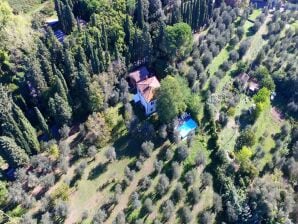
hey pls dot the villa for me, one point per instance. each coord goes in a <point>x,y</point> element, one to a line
<point>146,92</point>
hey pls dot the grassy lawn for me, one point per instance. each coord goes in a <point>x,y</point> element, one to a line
<point>218,60</point>
<point>265,128</point>
<point>256,43</point>
<point>85,192</point>
<point>255,14</point>
<point>228,136</point>
<point>199,144</point>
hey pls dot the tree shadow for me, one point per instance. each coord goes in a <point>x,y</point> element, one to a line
<point>126,146</point>
<point>97,171</point>
<point>74,180</point>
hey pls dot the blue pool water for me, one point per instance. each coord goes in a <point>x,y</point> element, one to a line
<point>186,127</point>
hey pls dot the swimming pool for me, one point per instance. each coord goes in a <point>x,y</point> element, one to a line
<point>186,127</point>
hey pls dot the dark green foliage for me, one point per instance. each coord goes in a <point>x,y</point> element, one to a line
<point>16,125</point>
<point>171,99</point>
<point>42,122</point>
<point>60,110</point>
<point>12,153</point>
<point>196,13</point>
<point>178,41</point>
<point>65,15</point>
<point>246,138</point>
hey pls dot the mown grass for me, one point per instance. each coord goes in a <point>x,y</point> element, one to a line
<point>228,135</point>
<point>265,128</point>
<point>218,60</point>
<point>255,14</point>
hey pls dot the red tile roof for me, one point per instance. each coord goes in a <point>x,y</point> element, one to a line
<point>148,88</point>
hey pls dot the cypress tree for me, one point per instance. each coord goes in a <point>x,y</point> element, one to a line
<point>203,10</point>
<point>58,10</point>
<point>88,46</point>
<point>60,89</point>
<point>176,14</point>
<point>83,82</point>
<point>60,110</point>
<point>42,122</point>
<point>14,155</point>
<point>59,75</point>
<point>117,54</point>
<point>54,46</point>
<point>69,68</point>
<point>140,14</point>
<point>35,77</point>
<point>69,19</point>
<point>16,125</point>
<point>47,71</point>
<point>80,57</point>
<point>96,65</point>
<point>107,60</point>
<point>104,38</point>
<point>195,14</point>
<point>9,125</point>
<point>146,44</point>
<point>42,50</point>
<point>28,131</point>
<point>100,54</point>
<point>127,30</point>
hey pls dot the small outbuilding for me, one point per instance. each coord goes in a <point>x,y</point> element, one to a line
<point>253,86</point>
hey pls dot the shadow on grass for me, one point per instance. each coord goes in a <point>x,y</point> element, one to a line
<point>74,180</point>
<point>97,171</point>
<point>250,32</point>
<point>126,146</point>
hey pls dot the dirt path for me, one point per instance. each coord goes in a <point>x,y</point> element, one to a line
<point>197,35</point>
<point>276,114</point>
<point>257,41</point>
<point>146,170</point>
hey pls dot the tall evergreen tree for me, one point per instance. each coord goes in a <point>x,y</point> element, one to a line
<point>146,44</point>
<point>104,38</point>
<point>95,63</point>
<point>69,68</point>
<point>69,19</point>
<point>60,89</point>
<point>12,153</point>
<point>15,125</point>
<point>54,46</point>
<point>83,83</point>
<point>88,46</point>
<point>127,30</point>
<point>140,14</point>
<point>41,120</point>
<point>36,79</point>
<point>28,131</point>
<point>60,110</point>
<point>9,127</point>
<point>47,70</point>
<point>81,57</point>
<point>59,75</point>
<point>100,53</point>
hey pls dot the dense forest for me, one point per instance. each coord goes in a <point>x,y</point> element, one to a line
<point>75,147</point>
